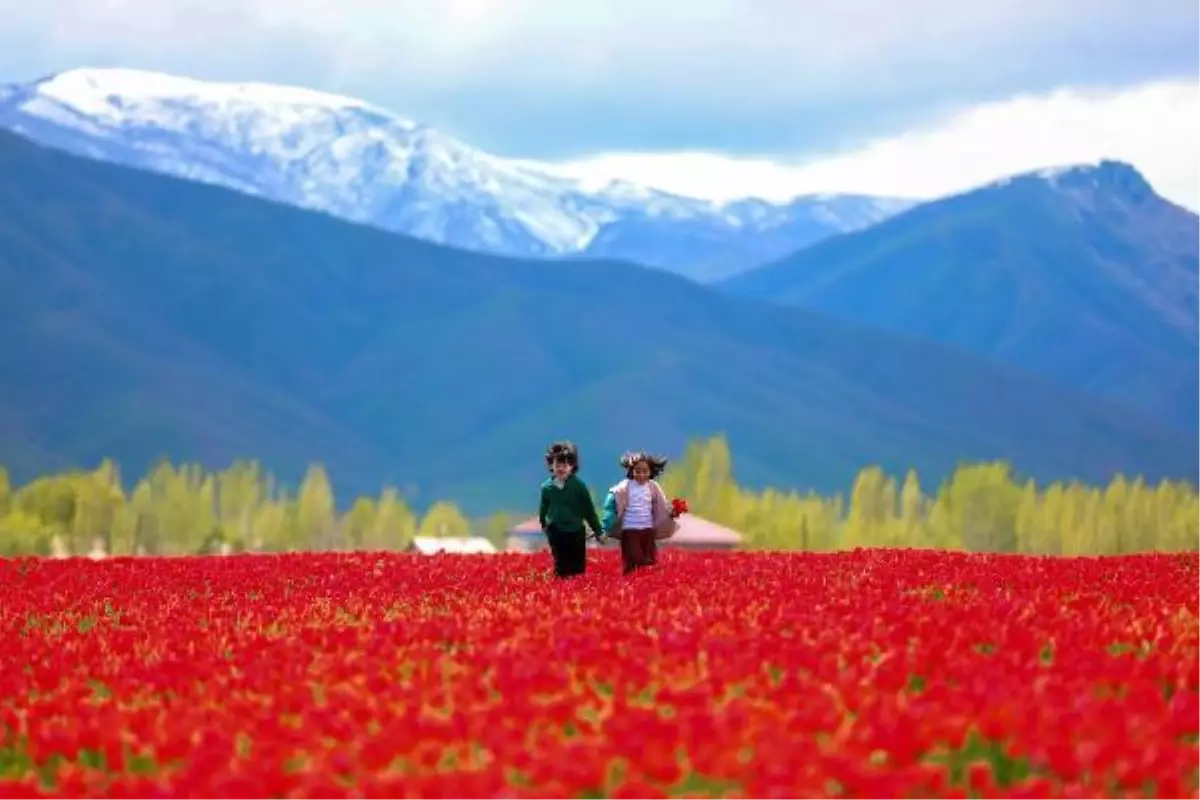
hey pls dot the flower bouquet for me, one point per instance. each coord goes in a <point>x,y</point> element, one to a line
<point>679,507</point>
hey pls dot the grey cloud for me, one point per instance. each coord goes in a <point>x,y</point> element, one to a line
<point>550,78</point>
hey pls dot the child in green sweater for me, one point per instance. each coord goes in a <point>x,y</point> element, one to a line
<point>566,505</point>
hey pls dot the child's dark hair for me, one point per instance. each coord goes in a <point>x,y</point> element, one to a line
<point>656,463</point>
<point>562,451</point>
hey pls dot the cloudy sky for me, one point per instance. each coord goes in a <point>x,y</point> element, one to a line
<point>711,97</point>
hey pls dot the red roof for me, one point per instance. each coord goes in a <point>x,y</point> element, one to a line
<point>527,527</point>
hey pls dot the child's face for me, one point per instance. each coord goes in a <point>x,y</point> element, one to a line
<point>641,472</point>
<point>561,469</point>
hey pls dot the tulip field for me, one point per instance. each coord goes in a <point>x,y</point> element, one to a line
<point>868,673</point>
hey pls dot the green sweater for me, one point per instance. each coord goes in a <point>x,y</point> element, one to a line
<point>567,508</point>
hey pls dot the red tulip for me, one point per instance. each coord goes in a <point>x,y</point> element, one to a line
<point>865,673</point>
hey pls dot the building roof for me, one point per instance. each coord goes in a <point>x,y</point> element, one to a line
<point>697,530</point>
<point>526,528</point>
<point>429,545</point>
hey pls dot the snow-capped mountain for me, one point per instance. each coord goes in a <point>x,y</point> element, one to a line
<point>361,162</point>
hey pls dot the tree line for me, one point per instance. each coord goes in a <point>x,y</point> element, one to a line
<point>188,510</point>
<point>180,509</point>
<point>981,507</point>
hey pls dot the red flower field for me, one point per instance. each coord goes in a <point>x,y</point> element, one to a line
<point>871,673</point>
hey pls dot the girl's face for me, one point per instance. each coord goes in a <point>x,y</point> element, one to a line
<point>641,472</point>
<point>561,469</point>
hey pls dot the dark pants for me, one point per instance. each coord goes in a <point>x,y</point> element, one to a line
<point>569,549</point>
<point>639,549</point>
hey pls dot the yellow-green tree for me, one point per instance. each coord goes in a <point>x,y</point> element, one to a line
<point>358,523</point>
<point>444,519</point>
<point>982,503</point>
<point>496,527</point>
<point>51,499</point>
<point>910,528</point>
<point>24,533</point>
<point>1030,536</point>
<point>5,490</point>
<point>275,526</point>
<point>395,524</point>
<point>316,519</point>
<point>242,490</point>
<point>872,509</point>
<point>704,475</point>
<point>98,499</point>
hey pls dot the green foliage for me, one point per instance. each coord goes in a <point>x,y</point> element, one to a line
<point>5,490</point>
<point>444,520</point>
<point>316,516</point>
<point>179,510</point>
<point>394,524</point>
<point>23,533</point>
<point>981,507</point>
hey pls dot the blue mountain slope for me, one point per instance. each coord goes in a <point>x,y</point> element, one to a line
<point>1083,275</point>
<point>145,316</point>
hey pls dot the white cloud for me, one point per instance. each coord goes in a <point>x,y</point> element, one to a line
<point>773,56</point>
<point>465,31</point>
<point>543,78</point>
<point>1154,126</point>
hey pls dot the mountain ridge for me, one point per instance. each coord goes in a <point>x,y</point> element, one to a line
<point>149,316</point>
<point>363,163</point>
<point>1081,273</point>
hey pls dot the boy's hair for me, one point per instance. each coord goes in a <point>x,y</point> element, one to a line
<point>656,463</point>
<point>562,451</point>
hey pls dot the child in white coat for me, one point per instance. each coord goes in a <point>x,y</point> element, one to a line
<point>636,511</point>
